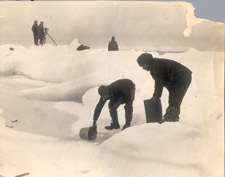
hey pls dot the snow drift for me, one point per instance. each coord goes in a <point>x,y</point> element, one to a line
<point>79,71</point>
<point>193,147</point>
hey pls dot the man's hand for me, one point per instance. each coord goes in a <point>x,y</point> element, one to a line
<point>155,99</point>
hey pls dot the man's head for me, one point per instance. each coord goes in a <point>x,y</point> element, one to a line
<point>144,60</point>
<point>35,22</point>
<point>113,38</point>
<point>103,91</point>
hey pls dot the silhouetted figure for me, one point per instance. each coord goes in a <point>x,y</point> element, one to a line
<point>41,32</point>
<point>35,32</point>
<point>113,46</point>
<point>119,92</point>
<point>82,47</point>
<point>170,74</point>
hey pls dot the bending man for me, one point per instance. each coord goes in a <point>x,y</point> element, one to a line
<point>119,92</point>
<point>170,74</point>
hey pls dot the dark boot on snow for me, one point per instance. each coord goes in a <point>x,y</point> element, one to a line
<point>126,126</point>
<point>172,114</point>
<point>168,118</point>
<point>113,126</point>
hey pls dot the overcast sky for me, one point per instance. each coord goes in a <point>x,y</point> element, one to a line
<point>153,24</point>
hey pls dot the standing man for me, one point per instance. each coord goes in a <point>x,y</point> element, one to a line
<point>170,74</point>
<point>35,32</point>
<point>119,92</point>
<point>41,32</point>
<point>113,46</point>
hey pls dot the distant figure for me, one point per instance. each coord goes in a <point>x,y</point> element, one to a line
<point>35,32</point>
<point>113,46</point>
<point>41,32</point>
<point>119,92</point>
<point>82,47</point>
<point>170,74</point>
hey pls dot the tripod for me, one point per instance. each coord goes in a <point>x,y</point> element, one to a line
<point>51,38</point>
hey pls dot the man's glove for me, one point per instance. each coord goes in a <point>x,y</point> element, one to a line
<point>155,99</point>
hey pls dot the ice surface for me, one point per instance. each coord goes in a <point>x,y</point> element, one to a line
<point>56,93</point>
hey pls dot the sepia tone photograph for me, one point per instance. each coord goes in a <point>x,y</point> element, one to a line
<point>110,89</point>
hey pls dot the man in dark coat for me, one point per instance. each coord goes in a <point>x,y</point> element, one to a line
<point>170,74</point>
<point>35,32</point>
<point>119,92</point>
<point>113,46</point>
<point>41,32</point>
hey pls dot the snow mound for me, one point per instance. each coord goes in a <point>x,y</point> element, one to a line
<point>74,44</point>
<point>183,143</point>
<point>78,71</point>
<point>181,150</point>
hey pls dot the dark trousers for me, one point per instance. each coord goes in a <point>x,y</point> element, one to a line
<point>113,105</point>
<point>35,39</point>
<point>176,93</point>
<point>42,41</point>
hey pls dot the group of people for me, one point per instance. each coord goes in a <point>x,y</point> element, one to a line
<point>39,33</point>
<point>170,74</point>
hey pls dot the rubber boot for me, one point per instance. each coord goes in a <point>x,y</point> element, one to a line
<point>128,115</point>
<point>112,126</point>
<point>172,114</point>
<point>115,124</point>
<point>126,126</point>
